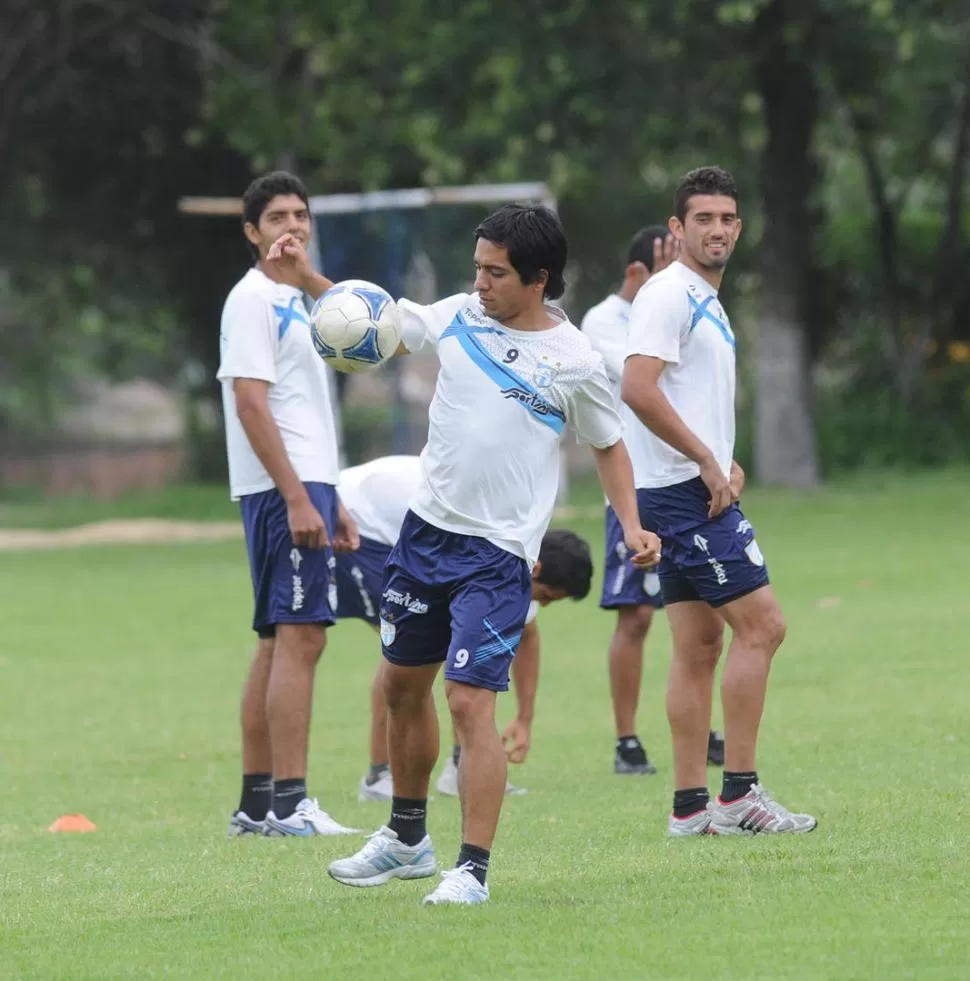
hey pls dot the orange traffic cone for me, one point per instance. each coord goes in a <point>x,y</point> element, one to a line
<point>72,822</point>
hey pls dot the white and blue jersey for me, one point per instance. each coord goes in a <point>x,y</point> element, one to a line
<point>678,318</point>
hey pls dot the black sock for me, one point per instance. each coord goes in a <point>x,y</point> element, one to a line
<point>687,802</point>
<point>477,858</point>
<point>736,785</point>
<point>286,795</point>
<point>377,770</point>
<point>408,816</point>
<point>455,754</point>
<point>257,795</point>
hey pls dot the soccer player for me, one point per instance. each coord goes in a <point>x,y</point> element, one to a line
<point>376,494</point>
<point>679,382</point>
<point>633,593</point>
<point>283,471</point>
<point>514,375</point>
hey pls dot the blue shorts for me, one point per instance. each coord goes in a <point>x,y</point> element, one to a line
<point>360,579</point>
<point>623,583</point>
<point>454,598</point>
<point>715,560</point>
<point>290,585</point>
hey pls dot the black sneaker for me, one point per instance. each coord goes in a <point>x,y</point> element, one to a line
<point>715,749</point>
<point>631,757</point>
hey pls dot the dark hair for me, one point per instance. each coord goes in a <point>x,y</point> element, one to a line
<point>262,190</point>
<point>641,245</point>
<point>565,563</point>
<point>703,180</point>
<point>534,238</point>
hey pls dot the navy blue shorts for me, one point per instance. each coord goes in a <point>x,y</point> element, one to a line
<point>623,583</point>
<point>454,598</point>
<point>290,585</point>
<point>360,579</point>
<point>716,561</point>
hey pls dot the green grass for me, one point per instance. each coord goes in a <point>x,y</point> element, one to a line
<point>119,676</point>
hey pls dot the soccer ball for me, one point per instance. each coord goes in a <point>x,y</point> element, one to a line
<point>355,326</point>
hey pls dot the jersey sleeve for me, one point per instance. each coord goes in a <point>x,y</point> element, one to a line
<point>592,410</point>
<point>608,338</point>
<point>250,338</point>
<point>533,612</point>
<point>659,320</point>
<point>422,325</point>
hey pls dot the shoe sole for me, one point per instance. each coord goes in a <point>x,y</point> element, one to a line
<point>401,872</point>
<point>274,831</point>
<point>735,831</point>
<point>366,795</point>
<point>640,771</point>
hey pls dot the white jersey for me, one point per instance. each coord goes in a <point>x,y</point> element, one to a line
<point>502,401</point>
<point>677,317</point>
<point>266,335</point>
<point>607,326</point>
<point>377,495</point>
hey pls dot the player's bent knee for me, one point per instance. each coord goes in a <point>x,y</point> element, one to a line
<point>634,621</point>
<point>469,705</point>
<point>407,689</point>
<point>300,641</point>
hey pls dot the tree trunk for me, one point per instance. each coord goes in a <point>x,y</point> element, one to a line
<point>785,450</point>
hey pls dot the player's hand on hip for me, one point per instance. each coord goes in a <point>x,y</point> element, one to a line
<point>736,479</point>
<point>722,493</point>
<point>307,527</point>
<point>644,547</point>
<point>346,537</point>
<point>517,740</point>
<point>289,261</point>
<point>665,251</point>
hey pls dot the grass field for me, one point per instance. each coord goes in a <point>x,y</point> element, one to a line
<point>120,671</point>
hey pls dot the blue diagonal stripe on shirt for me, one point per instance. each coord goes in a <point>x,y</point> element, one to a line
<point>699,312</point>
<point>511,384</point>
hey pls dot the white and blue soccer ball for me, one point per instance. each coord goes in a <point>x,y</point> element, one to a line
<point>355,326</point>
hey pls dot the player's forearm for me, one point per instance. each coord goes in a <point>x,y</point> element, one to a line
<point>264,437</point>
<point>316,284</point>
<point>525,673</point>
<point>651,407</point>
<point>616,478</point>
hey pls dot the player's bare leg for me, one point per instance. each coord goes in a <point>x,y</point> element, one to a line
<point>698,635</point>
<point>378,718</point>
<point>626,672</point>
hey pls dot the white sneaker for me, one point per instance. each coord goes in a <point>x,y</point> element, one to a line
<point>757,813</point>
<point>241,824</point>
<point>447,783</point>
<point>383,858</point>
<point>305,822</point>
<point>692,825</point>
<point>381,789</point>
<point>457,886</point>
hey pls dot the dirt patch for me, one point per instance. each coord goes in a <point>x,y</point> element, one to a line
<point>140,531</point>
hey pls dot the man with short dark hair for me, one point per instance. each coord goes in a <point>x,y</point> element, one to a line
<point>283,470</point>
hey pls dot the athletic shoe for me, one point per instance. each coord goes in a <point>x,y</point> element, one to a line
<point>715,749</point>
<point>380,789</point>
<point>631,758</point>
<point>305,822</point>
<point>757,813</point>
<point>447,783</point>
<point>241,824</point>
<point>383,858</point>
<point>458,886</point>
<point>698,823</point>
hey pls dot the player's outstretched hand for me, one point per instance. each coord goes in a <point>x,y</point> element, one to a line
<point>644,548</point>
<point>289,261</point>
<point>346,537</point>
<point>307,528</point>
<point>517,739</point>
<point>665,251</point>
<point>722,491</point>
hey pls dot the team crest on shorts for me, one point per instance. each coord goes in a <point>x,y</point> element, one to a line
<point>754,553</point>
<point>388,632</point>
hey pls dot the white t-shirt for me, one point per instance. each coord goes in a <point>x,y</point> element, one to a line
<point>502,401</point>
<point>377,495</point>
<point>533,612</point>
<point>266,335</point>
<point>677,317</point>
<point>607,326</point>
